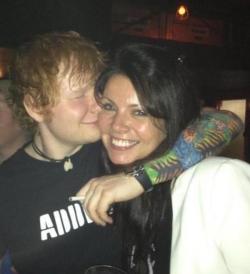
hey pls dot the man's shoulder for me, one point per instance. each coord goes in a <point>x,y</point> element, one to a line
<point>93,146</point>
<point>91,151</point>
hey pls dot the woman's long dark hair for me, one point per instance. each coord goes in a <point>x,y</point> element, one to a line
<point>166,90</point>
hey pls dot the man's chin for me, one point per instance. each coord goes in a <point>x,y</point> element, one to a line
<point>92,138</point>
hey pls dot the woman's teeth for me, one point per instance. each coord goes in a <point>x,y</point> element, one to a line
<point>123,143</point>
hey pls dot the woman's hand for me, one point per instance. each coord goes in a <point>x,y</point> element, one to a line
<point>100,193</point>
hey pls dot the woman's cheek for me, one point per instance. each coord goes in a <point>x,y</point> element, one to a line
<point>104,121</point>
<point>142,126</point>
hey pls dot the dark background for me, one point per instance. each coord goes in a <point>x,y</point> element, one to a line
<point>20,19</point>
<point>221,68</point>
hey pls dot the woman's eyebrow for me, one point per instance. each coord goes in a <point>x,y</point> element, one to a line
<point>132,105</point>
<point>135,105</point>
<point>107,99</point>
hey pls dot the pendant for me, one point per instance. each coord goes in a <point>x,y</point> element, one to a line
<point>68,165</point>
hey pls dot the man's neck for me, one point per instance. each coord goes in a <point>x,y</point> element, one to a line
<point>52,150</point>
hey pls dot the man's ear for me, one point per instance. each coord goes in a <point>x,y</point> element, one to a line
<point>34,112</point>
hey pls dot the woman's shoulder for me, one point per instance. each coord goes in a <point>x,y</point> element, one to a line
<point>211,205</point>
<point>214,173</point>
<point>215,178</point>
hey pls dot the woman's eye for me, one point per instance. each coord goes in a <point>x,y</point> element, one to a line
<point>107,106</point>
<point>140,112</point>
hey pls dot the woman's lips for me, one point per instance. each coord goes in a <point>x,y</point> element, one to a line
<point>122,144</point>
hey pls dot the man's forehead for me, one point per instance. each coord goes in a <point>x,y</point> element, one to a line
<point>74,83</point>
<point>74,74</point>
<point>74,87</point>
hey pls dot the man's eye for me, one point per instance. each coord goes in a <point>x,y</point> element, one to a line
<point>79,96</point>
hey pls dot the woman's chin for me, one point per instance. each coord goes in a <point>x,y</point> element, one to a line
<point>122,161</point>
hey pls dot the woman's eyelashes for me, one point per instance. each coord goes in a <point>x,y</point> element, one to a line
<point>107,105</point>
<point>139,112</point>
<point>134,110</point>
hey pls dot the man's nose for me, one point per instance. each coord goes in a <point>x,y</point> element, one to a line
<point>94,107</point>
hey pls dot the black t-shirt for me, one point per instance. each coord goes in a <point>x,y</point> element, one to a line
<point>44,232</point>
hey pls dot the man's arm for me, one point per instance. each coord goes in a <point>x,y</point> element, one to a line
<point>206,136</point>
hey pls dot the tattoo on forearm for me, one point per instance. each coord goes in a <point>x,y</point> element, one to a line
<point>208,135</point>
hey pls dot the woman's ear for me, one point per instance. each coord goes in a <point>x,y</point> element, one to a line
<point>35,113</point>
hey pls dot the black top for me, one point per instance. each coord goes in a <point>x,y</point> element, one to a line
<point>44,232</point>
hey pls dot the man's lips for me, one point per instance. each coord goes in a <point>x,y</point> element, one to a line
<point>90,122</point>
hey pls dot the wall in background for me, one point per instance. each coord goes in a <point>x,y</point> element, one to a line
<point>236,148</point>
<point>20,19</point>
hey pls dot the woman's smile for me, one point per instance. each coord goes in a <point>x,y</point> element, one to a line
<point>117,143</point>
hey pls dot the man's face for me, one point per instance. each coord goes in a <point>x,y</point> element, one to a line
<point>9,127</point>
<point>73,120</point>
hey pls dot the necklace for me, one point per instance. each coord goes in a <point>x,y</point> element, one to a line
<point>67,164</point>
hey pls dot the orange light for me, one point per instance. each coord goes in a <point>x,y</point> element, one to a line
<point>3,70</point>
<point>1,73</point>
<point>6,55</point>
<point>182,12</point>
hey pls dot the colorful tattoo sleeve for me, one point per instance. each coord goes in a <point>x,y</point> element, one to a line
<point>208,135</point>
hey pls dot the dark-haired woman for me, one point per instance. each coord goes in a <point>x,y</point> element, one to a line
<point>147,99</point>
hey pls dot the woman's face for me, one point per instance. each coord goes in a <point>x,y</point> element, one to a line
<point>128,132</point>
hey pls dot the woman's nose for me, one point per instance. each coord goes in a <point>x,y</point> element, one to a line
<point>120,123</point>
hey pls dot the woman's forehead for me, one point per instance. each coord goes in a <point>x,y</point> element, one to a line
<point>119,87</point>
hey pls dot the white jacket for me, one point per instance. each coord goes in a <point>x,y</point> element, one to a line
<point>211,218</point>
